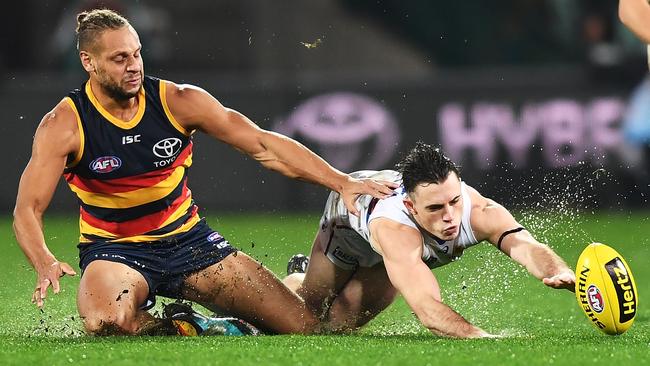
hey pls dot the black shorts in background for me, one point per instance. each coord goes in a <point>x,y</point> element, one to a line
<point>165,264</point>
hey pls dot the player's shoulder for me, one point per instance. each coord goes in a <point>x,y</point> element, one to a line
<point>386,231</point>
<point>186,101</point>
<point>392,208</point>
<point>181,90</point>
<point>478,201</point>
<point>58,131</point>
<point>64,116</point>
<point>487,215</point>
<point>480,211</point>
<point>394,224</point>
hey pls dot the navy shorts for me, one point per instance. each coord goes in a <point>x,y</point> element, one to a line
<point>165,264</point>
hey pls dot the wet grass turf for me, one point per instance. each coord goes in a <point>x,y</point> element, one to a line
<point>543,326</point>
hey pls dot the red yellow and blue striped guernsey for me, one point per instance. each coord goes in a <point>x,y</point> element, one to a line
<point>130,177</point>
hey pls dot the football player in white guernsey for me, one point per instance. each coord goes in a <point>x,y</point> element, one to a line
<point>359,264</point>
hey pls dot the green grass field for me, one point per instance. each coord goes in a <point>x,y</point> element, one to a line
<point>544,326</point>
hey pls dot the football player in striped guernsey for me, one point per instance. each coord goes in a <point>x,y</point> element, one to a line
<point>123,142</point>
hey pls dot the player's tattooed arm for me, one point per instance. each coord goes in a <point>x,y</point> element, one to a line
<point>401,248</point>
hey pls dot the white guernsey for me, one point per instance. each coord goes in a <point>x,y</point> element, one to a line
<point>359,264</point>
<point>348,250</point>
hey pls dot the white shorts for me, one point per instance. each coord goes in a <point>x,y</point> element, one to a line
<point>341,244</point>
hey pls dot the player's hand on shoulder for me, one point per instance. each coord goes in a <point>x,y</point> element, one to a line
<point>563,280</point>
<point>353,188</point>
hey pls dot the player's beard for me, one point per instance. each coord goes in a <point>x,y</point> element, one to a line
<point>114,90</point>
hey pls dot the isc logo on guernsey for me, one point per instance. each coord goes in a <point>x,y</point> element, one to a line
<point>105,164</point>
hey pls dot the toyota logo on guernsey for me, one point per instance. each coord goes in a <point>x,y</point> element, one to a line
<point>167,148</point>
<point>105,164</point>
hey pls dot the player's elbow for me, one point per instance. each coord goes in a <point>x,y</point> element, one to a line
<point>259,146</point>
<point>271,162</point>
<point>23,211</point>
<point>16,222</point>
<point>272,151</point>
<point>20,215</point>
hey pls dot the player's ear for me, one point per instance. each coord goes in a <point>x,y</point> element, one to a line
<point>408,203</point>
<point>86,61</point>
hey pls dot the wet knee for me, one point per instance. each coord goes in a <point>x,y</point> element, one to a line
<point>103,324</point>
<point>294,281</point>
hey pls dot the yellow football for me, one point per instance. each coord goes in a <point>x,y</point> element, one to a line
<point>605,289</point>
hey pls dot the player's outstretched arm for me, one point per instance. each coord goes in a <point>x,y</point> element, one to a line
<point>635,14</point>
<point>194,108</point>
<point>401,247</point>
<point>494,223</point>
<point>56,138</point>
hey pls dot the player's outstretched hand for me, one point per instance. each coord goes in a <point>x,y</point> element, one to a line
<point>356,187</point>
<point>49,276</point>
<point>566,280</point>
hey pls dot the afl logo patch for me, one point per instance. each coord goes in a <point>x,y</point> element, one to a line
<point>214,236</point>
<point>595,299</point>
<point>105,164</point>
<point>167,148</point>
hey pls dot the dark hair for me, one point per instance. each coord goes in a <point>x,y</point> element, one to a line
<point>90,24</point>
<point>424,164</point>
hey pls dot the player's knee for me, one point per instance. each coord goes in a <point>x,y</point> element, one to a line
<point>294,281</point>
<point>103,324</point>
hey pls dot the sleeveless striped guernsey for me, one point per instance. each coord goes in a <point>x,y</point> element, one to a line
<point>130,177</point>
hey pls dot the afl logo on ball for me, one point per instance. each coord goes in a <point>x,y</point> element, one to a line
<point>105,164</point>
<point>595,299</point>
<point>167,148</point>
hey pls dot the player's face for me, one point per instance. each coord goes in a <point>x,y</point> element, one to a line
<point>438,208</point>
<point>119,68</point>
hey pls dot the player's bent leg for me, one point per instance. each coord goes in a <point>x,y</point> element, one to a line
<point>322,281</point>
<point>368,293</point>
<point>246,289</point>
<point>109,299</point>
